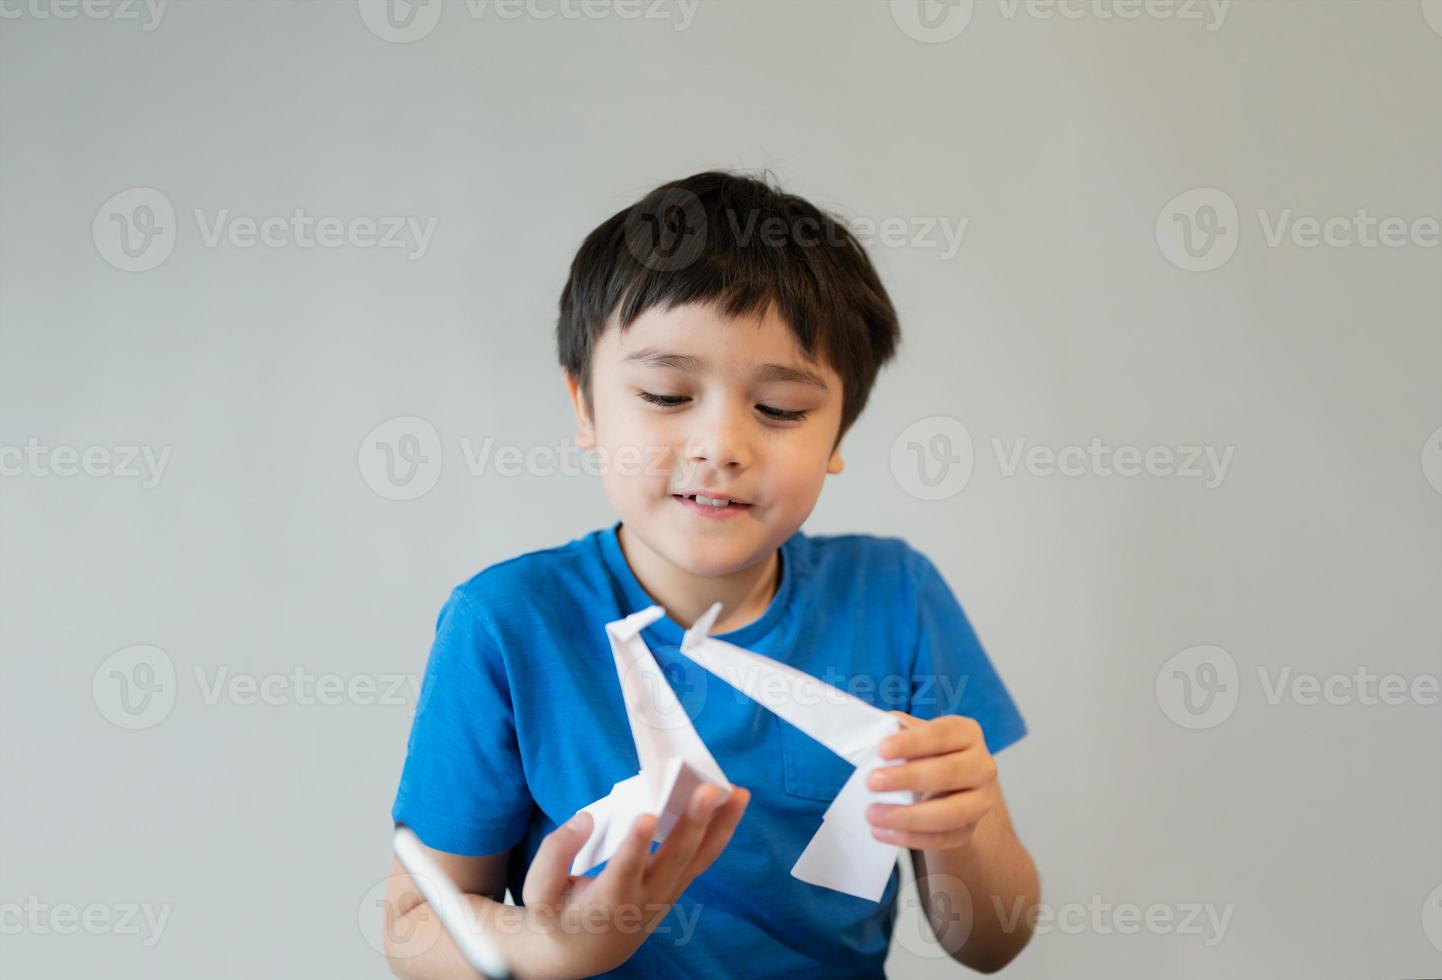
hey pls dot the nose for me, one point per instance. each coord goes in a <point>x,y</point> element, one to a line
<point>721,439</point>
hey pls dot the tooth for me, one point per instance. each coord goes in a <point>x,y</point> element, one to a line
<point>709,501</point>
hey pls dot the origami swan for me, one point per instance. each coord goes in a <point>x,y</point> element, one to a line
<point>842,856</point>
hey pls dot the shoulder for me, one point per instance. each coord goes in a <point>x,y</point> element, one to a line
<point>870,558</point>
<point>513,590</point>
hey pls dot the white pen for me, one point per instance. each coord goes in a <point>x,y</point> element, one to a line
<point>438,889</point>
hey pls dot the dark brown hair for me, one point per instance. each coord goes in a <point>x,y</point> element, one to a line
<point>743,244</point>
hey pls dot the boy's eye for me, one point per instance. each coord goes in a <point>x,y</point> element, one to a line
<point>669,401</point>
<point>662,399</point>
<point>781,414</point>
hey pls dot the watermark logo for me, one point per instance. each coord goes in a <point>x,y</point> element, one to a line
<point>932,21</point>
<point>640,690</point>
<point>135,688</point>
<point>1432,13</point>
<point>1198,230</point>
<point>1198,688</point>
<point>1432,459</point>
<point>931,933</point>
<point>148,11</point>
<point>1432,917</point>
<point>668,231</point>
<point>401,459</point>
<point>379,921</point>
<point>400,21</point>
<point>135,230</point>
<point>932,459</point>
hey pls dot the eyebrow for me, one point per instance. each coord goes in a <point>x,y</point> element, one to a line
<point>652,357</point>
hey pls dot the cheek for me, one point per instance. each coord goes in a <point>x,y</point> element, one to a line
<point>801,471</point>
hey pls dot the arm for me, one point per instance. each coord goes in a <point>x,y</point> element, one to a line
<point>568,925</point>
<point>976,881</point>
<point>1000,882</point>
<point>418,946</point>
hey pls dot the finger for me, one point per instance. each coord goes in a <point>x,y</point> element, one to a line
<point>949,733</point>
<point>685,836</point>
<point>718,834</point>
<point>550,874</point>
<point>935,774</point>
<point>917,841</point>
<point>623,872</point>
<point>942,814</point>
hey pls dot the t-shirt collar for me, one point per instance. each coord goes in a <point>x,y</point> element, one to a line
<point>666,630</point>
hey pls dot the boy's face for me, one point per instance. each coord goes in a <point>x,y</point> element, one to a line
<point>687,400</point>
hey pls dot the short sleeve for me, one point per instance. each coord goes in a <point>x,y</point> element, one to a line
<point>951,673</point>
<point>463,789</point>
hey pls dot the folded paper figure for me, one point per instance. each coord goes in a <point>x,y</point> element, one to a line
<point>843,855</point>
<point>673,759</point>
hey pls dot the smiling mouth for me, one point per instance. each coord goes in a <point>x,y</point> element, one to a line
<point>718,502</point>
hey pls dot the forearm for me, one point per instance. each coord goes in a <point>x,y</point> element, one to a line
<point>994,877</point>
<point>418,947</point>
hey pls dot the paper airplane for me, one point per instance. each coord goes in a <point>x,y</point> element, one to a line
<point>674,761</point>
<point>843,855</point>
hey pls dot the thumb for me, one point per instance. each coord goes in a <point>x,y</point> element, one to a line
<point>550,874</point>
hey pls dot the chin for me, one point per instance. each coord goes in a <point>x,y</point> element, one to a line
<point>703,560</point>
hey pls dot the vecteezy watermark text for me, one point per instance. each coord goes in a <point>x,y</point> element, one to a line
<point>1099,917</point>
<point>36,459</point>
<point>665,922</point>
<point>1200,687</point>
<point>137,687</point>
<point>938,21</point>
<point>150,11</point>
<point>1200,229</point>
<point>934,458</point>
<point>406,21</point>
<point>39,918</point>
<point>137,230</point>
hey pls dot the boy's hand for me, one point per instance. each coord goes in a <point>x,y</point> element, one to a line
<point>952,774</point>
<point>588,925</point>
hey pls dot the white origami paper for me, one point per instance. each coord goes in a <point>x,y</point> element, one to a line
<point>842,855</point>
<point>674,761</point>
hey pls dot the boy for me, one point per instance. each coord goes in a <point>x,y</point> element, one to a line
<point>719,338</point>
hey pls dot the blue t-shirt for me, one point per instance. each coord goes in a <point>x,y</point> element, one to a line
<point>520,723</point>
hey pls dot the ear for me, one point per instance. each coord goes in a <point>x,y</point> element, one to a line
<point>835,465</point>
<point>585,430</point>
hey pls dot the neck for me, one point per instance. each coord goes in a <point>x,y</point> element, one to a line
<point>744,594</point>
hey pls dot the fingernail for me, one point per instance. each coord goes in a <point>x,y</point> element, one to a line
<point>578,822</point>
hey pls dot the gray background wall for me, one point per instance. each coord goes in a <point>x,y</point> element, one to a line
<point>268,550</point>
